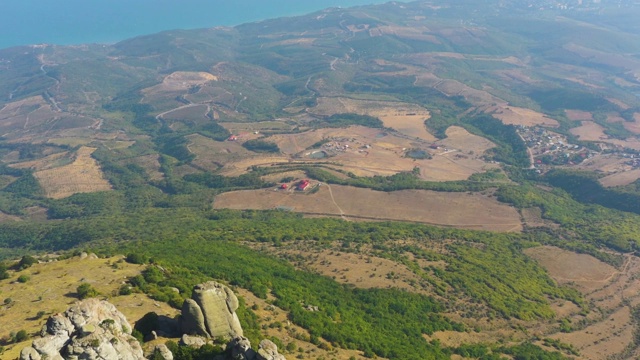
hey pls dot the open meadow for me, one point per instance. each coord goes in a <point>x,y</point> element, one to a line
<point>83,175</point>
<point>459,210</point>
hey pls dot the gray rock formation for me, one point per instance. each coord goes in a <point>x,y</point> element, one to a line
<point>90,329</point>
<point>162,352</point>
<point>240,349</point>
<point>192,341</point>
<point>211,312</point>
<point>269,351</point>
<point>192,319</point>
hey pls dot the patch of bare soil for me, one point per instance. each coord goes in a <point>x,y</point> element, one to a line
<point>183,81</point>
<point>587,272</point>
<point>513,115</point>
<point>81,176</point>
<point>363,271</point>
<point>450,209</point>
<point>589,131</point>
<point>406,118</point>
<point>578,115</point>
<point>605,163</point>
<point>460,138</point>
<point>614,118</point>
<point>621,179</point>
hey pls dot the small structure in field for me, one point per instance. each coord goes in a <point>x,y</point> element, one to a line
<point>303,185</point>
<point>284,187</point>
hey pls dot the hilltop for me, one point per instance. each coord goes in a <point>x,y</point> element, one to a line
<point>385,164</point>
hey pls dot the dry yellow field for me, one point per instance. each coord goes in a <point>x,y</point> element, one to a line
<point>566,267</point>
<point>578,115</point>
<point>44,163</point>
<point>81,176</point>
<point>621,179</point>
<point>406,118</point>
<point>460,138</point>
<point>449,209</point>
<point>376,152</point>
<point>520,116</point>
<point>605,163</point>
<point>589,131</point>
<point>182,80</point>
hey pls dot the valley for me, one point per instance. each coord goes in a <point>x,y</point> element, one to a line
<point>397,181</point>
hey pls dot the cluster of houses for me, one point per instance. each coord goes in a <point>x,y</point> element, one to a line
<point>550,148</point>
<point>634,162</point>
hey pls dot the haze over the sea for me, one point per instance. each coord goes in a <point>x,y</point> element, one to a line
<point>65,22</point>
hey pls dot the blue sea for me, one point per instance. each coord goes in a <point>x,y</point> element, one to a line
<point>66,22</point>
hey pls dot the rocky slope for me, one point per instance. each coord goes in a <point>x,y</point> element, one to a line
<point>95,329</point>
<point>90,329</point>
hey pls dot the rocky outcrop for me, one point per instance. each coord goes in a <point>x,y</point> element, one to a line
<point>211,312</point>
<point>268,351</point>
<point>240,349</point>
<point>161,351</point>
<point>90,329</point>
<point>192,341</point>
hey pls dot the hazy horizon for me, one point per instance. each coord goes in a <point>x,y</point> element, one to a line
<point>67,22</point>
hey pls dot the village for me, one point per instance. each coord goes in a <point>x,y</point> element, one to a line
<point>549,148</point>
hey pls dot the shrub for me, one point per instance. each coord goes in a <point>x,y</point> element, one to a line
<point>21,336</point>
<point>23,278</point>
<point>125,290</point>
<point>134,258</point>
<point>86,291</point>
<point>26,262</point>
<point>3,272</point>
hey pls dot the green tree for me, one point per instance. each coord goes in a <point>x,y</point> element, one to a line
<point>26,262</point>
<point>85,291</point>
<point>21,336</point>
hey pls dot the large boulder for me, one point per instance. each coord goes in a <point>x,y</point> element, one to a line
<point>240,349</point>
<point>90,329</point>
<point>161,351</point>
<point>192,319</point>
<point>269,351</point>
<point>211,312</point>
<point>192,341</point>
